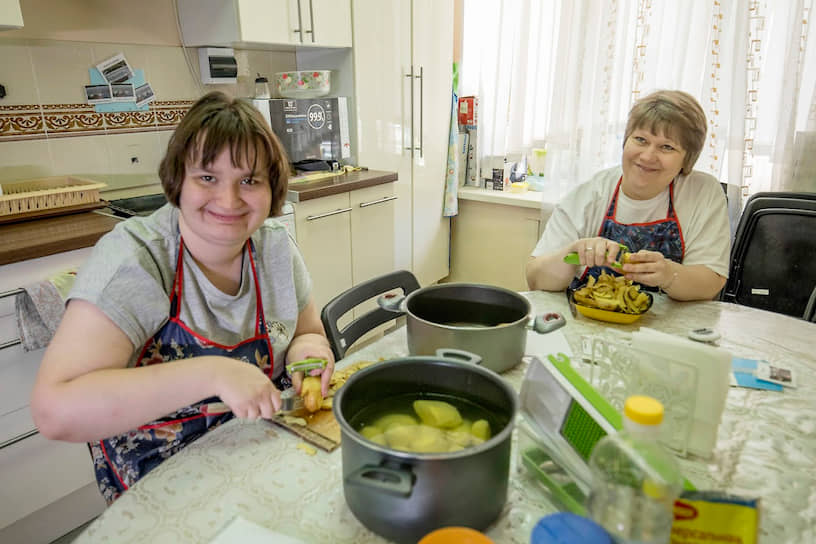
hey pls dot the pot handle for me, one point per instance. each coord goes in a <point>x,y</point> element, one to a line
<point>392,302</point>
<point>390,480</point>
<point>459,355</point>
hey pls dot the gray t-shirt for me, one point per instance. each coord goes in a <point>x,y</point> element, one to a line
<point>129,276</point>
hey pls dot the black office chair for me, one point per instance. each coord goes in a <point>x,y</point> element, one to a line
<point>342,339</point>
<point>773,257</point>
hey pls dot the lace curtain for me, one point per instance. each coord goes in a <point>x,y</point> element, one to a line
<point>564,73</point>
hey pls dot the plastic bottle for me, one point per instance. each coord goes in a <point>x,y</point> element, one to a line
<point>635,481</point>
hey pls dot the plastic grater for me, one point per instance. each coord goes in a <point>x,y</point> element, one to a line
<point>565,417</point>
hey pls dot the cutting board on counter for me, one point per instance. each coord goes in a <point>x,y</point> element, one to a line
<point>321,429</point>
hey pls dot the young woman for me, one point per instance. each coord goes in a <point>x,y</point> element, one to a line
<point>205,299</point>
<point>674,220</point>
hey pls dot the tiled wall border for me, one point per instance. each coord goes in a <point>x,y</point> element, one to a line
<point>35,121</point>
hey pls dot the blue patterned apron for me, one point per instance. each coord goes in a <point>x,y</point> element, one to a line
<point>120,461</point>
<point>663,235</point>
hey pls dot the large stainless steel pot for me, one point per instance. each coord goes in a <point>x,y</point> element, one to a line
<point>403,496</point>
<point>485,320</point>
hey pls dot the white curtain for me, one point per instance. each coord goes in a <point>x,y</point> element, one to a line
<point>564,73</point>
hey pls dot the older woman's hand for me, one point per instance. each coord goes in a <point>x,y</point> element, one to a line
<point>596,251</point>
<point>650,268</point>
<point>311,345</point>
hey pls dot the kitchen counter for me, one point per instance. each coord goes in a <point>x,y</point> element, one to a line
<point>255,469</point>
<point>529,199</point>
<point>41,237</point>
<point>340,183</point>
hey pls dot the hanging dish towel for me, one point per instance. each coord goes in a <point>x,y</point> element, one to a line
<point>451,206</point>
<point>39,309</point>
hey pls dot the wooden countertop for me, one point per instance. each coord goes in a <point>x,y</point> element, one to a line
<point>41,237</point>
<point>341,183</point>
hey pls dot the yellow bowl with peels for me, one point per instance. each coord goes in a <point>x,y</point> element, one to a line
<point>611,316</point>
<point>612,299</point>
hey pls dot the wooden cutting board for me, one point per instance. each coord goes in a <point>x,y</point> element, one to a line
<point>321,429</point>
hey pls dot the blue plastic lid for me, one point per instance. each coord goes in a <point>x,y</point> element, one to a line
<point>568,528</point>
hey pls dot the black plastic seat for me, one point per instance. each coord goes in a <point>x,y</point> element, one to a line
<point>774,253</point>
<point>335,309</point>
<point>810,309</point>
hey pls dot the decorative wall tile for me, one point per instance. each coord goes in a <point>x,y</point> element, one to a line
<point>21,122</point>
<point>33,121</point>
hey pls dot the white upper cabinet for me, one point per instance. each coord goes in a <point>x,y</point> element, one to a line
<point>266,23</point>
<point>10,15</point>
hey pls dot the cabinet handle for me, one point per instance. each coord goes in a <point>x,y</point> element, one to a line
<point>18,438</point>
<point>5,294</point>
<point>300,24</point>
<point>311,20</point>
<point>10,343</point>
<point>421,107</point>
<point>378,201</point>
<point>11,293</point>
<point>410,77</point>
<point>327,214</point>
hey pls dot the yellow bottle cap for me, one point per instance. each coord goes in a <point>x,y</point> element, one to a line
<point>644,410</point>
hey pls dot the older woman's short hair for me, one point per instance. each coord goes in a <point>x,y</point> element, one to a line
<point>675,114</point>
<point>217,122</point>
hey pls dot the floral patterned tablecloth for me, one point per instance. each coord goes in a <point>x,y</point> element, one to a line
<point>766,448</point>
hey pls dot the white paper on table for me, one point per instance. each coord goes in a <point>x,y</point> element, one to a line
<point>243,531</point>
<point>542,344</point>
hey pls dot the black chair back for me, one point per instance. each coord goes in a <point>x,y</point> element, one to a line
<point>773,258</point>
<point>342,338</point>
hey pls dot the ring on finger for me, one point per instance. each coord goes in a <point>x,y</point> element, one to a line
<point>590,249</point>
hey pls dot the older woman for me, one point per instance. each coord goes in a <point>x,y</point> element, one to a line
<point>196,306</point>
<point>674,220</point>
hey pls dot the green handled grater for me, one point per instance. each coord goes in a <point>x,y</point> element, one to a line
<point>566,417</point>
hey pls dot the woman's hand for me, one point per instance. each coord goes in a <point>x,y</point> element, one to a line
<point>311,345</point>
<point>650,268</point>
<point>596,251</point>
<point>245,389</point>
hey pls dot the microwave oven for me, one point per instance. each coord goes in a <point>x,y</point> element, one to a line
<point>309,128</point>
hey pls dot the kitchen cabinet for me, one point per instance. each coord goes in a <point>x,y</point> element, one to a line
<point>403,56</point>
<point>493,241</point>
<point>266,23</point>
<point>11,16</point>
<point>47,488</point>
<point>324,238</point>
<point>346,238</point>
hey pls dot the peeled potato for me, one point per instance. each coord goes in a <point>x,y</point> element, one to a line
<point>437,413</point>
<point>310,391</point>
<point>461,435</point>
<point>401,437</point>
<point>429,440</point>
<point>394,420</point>
<point>481,429</point>
<point>374,434</point>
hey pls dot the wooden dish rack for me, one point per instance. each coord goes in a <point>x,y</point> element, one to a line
<point>57,195</point>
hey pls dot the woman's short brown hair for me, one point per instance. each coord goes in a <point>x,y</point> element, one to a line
<point>215,122</point>
<point>675,114</point>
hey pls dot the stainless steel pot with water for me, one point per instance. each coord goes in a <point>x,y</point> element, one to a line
<point>485,320</point>
<point>403,495</point>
